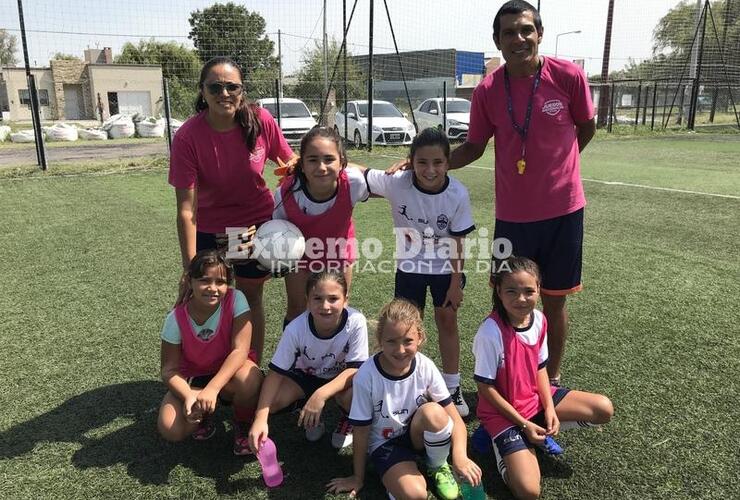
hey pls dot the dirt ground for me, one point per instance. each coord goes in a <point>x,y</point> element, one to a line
<point>13,157</point>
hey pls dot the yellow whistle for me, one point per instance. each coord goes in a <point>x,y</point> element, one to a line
<point>520,166</point>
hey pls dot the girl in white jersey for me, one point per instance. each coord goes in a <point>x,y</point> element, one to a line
<point>315,360</point>
<point>431,214</point>
<point>402,409</point>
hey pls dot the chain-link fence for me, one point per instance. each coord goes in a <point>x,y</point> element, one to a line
<point>666,103</point>
<point>670,63</point>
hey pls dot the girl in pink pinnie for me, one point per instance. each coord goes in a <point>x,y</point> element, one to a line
<point>517,406</point>
<point>206,359</point>
<point>318,197</point>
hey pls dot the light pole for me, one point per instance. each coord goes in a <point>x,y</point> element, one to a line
<point>557,39</point>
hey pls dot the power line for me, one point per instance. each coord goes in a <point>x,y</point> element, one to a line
<point>53,32</point>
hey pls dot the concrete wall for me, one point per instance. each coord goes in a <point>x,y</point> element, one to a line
<point>15,80</point>
<point>419,90</point>
<point>106,78</point>
<point>419,64</point>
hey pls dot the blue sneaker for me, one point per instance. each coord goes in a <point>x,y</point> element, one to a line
<point>551,447</point>
<point>481,441</point>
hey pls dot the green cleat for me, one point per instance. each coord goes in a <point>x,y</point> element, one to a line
<point>445,482</point>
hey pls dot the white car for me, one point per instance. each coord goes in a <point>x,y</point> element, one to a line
<point>295,118</point>
<point>390,126</point>
<point>429,114</point>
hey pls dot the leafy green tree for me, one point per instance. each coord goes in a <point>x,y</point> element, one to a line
<point>672,41</point>
<point>60,56</point>
<point>180,66</point>
<point>310,78</point>
<point>231,30</point>
<point>8,46</point>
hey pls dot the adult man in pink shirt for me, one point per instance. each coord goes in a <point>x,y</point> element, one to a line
<point>539,111</point>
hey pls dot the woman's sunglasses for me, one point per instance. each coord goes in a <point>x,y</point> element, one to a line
<point>218,88</point>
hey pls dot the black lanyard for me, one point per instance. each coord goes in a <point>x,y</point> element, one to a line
<point>522,130</point>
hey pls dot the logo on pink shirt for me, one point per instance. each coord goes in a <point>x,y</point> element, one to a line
<point>552,107</point>
<point>257,155</point>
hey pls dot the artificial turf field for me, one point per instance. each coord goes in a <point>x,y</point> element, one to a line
<point>90,266</point>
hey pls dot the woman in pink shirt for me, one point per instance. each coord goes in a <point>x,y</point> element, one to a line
<point>216,166</point>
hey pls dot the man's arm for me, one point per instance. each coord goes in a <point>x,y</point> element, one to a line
<point>466,153</point>
<point>585,132</point>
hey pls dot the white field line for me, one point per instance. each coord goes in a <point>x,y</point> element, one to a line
<point>618,183</point>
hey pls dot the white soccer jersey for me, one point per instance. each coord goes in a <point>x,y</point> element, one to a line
<point>424,221</point>
<point>300,347</point>
<point>388,403</point>
<point>488,347</point>
<point>357,192</point>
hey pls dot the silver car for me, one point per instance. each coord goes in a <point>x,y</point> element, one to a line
<point>390,126</point>
<point>430,114</point>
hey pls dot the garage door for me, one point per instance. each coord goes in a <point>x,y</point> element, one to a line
<point>134,102</point>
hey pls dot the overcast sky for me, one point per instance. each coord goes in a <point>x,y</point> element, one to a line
<point>70,26</point>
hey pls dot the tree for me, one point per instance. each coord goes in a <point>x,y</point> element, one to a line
<point>8,46</point>
<point>180,66</point>
<point>231,30</point>
<point>60,56</point>
<point>673,37</point>
<point>310,86</point>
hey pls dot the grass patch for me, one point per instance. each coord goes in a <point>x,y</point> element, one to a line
<point>91,266</point>
<point>7,145</point>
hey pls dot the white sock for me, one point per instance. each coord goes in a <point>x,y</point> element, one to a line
<point>575,424</point>
<point>452,381</point>
<point>437,445</point>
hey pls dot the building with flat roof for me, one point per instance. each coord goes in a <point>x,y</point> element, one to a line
<point>82,90</point>
<point>425,72</point>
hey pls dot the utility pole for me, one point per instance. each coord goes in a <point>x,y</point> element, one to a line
<point>326,56</point>
<point>687,111</point>
<point>280,66</point>
<point>604,89</point>
<point>344,65</point>
<point>723,48</point>
<point>370,80</point>
<point>33,95</point>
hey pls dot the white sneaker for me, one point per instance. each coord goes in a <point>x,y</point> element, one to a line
<point>342,435</point>
<point>460,404</point>
<point>313,434</point>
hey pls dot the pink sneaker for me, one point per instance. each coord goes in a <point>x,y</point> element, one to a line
<point>271,471</point>
<point>241,439</point>
<point>206,429</point>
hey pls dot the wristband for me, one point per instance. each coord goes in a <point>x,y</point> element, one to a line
<point>523,427</point>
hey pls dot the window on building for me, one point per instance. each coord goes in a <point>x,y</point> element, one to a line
<point>25,97</point>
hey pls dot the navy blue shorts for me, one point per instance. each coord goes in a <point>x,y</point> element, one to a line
<point>513,439</point>
<point>201,381</point>
<point>396,450</point>
<point>308,384</point>
<point>219,241</point>
<point>413,287</point>
<point>556,245</point>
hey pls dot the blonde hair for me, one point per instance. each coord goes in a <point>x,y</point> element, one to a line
<point>400,311</point>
